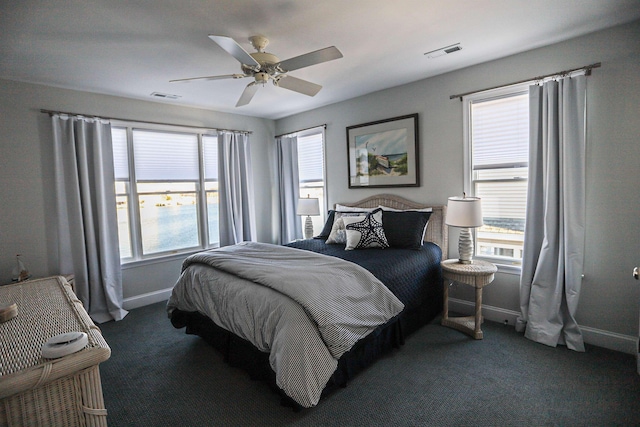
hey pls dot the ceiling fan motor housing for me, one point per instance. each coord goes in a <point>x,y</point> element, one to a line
<point>265,58</point>
<point>268,66</point>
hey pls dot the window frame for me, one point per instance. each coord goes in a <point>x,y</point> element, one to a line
<point>319,223</point>
<point>132,194</point>
<point>504,263</point>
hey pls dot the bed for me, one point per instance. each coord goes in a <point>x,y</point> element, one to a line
<point>237,298</point>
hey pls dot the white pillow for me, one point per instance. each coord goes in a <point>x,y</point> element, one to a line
<point>365,232</point>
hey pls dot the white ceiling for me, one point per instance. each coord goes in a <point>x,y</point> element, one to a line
<point>133,48</point>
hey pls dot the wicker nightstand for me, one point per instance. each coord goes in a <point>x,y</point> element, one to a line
<point>479,274</point>
<point>54,392</point>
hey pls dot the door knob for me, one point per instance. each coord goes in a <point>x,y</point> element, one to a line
<point>635,273</point>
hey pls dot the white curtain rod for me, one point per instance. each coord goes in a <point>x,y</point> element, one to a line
<point>51,112</point>
<point>587,71</point>
<point>301,130</point>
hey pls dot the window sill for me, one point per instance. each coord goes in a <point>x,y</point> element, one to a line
<point>505,266</point>
<point>160,259</point>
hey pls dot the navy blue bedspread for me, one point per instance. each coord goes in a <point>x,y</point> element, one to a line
<point>409,273</point>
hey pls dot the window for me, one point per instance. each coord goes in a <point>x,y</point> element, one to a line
<point>166,191</point>
<point>497,155</point>
<point>311,172</point>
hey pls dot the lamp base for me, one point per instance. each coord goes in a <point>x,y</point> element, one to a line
<point>308,228</point>
<point>465,246</point>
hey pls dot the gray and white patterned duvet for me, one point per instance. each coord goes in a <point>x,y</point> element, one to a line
<point>303,308</point>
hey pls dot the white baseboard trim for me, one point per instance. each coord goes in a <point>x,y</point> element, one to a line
<point>598,337</point>
<point>610,340</point>
<point>495,314</point>
<point>146,299</point>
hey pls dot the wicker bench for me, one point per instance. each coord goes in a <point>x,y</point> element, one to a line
<point>49,392</point>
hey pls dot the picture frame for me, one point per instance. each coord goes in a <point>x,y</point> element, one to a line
<point>384,153</point>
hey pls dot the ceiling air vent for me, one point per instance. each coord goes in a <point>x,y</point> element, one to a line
<point>443,51</point>
<point>164,95</point>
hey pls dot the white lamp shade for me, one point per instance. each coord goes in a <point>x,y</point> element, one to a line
<point>464,212</point>
<point>308,206</point>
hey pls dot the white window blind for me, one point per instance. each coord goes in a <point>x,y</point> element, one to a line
<point>500,132</point>
<point>210,146</point>
<point>310,158</point>
<point>503,199</point>
<point>164,156</point>
<point>120,154</point>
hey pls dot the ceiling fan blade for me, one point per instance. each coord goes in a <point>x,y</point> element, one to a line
<point>247,95</point>
<point>298,85</point>
<point>234,49</point>
<point>311,58</point>
<point>226,76</point>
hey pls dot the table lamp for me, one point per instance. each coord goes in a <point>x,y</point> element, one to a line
<point>464,212</point>
<point>309,207</point>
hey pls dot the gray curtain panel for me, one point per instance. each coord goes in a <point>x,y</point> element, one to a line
<point>235,187</point>
<point>86,213</point>
<point>552,263</point>
<point>289,188</point>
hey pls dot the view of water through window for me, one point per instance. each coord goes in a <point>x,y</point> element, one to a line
<point>166,227</point>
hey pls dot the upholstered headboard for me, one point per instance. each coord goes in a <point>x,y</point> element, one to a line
<point>437,231</point>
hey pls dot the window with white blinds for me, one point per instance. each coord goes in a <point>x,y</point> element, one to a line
<point>166,191</point>
<point>311,158</point>
<point>311,171</point>
<point>120,156</point>
<point>210,144</point>
<point>497,140</point>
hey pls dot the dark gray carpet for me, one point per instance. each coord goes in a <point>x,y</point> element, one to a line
<point>158,375</point>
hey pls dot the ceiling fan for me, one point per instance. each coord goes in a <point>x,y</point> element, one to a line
<point>264,66</point>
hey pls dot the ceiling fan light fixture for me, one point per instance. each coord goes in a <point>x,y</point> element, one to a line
<point>261,78</point>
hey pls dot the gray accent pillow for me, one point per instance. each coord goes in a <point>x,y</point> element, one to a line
<point>338,233</point>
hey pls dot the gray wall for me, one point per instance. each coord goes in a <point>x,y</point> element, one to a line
<point>610,297</point>
<point>26,173</point>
